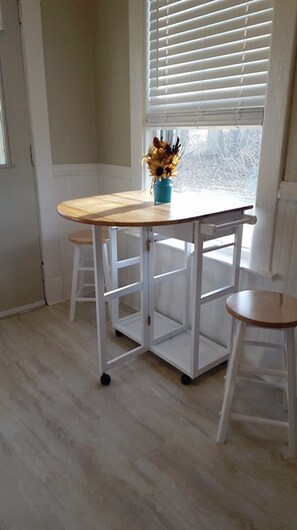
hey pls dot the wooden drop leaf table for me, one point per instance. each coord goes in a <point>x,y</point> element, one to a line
<point>202,222</point>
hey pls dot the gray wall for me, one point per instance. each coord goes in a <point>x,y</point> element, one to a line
<point>68,48</point>
<point>112,82</point>
<point>86,47</point>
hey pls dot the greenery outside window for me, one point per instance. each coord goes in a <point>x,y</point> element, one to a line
<point>220,160</point>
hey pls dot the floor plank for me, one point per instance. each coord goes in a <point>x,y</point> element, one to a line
<point>139,454</point>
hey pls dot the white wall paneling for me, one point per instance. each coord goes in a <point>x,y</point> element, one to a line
<point>285,247</point>
<point>81,180</point>
<point>112,179</point>
<point>71,181</point>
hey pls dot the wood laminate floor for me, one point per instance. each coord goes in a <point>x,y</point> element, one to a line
<point>139,454</point>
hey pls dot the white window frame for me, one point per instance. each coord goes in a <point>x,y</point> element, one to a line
<point>137,90</point>
<point>274,134</point>
<point>7,162</point>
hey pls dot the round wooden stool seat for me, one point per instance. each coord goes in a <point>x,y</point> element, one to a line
<point>84,237</point>
<point>265,309</point>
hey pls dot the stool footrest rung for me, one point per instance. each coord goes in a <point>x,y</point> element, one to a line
<point>264,371</point>
<point>281,386</point>
<point>85,299</point>
<point>263,344</point>
<point>259,419</point>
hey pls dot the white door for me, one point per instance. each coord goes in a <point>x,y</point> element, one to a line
<point>20,258</point>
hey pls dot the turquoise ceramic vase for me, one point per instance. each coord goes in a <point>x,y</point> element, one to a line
<point>162,190</point>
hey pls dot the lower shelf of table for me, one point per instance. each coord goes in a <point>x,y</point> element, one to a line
<point>176,350</point>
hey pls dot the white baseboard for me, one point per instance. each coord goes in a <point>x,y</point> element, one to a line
<point>22,309</point>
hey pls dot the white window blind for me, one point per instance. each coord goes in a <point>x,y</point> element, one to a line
<point>207,61</point>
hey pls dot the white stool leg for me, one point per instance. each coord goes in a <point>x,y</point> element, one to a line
<point>76,260</point>
<point>291,367</point>
<point>80,288</point>
<point>230,381</point>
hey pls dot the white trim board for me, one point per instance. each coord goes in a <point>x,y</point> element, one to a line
<point>287,191</point>
<point>136,54</point>
<point>73,170</point>
<point>32,42</point>
<point>282,62</point>
<point>22,309</point>
<point>111,171</point>
<point>92,169</point>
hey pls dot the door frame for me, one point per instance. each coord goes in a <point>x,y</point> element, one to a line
<point>34,66</point>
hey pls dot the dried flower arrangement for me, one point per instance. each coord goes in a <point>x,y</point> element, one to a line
<point>162,159</point>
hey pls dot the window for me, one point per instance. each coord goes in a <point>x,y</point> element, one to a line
<point>207,69</point>
<point>224,160</point>
<point>274,134</point>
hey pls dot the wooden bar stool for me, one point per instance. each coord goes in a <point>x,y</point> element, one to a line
<point>83,262</point>
<point>266,310</point>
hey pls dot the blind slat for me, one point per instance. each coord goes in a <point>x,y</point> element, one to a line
<point>194,66</point>
<point>238,82</point>
<point>209,7</point>
<point>245,117</point>
<point>202,97</point>
<point>207,56</point>
<point>190,21</point>
<point>241,35</point>
<point>209,74</point>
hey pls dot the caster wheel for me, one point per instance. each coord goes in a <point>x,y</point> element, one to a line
<point>118,333</point>
<point>105,379</point>
<point>185,379</point>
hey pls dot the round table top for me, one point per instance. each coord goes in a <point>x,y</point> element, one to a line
<point>137,208</point>
<point>265,309</point>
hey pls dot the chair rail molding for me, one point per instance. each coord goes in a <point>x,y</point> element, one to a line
<point>120,172</point>
<point>69,170</point>
<point>92,169</point>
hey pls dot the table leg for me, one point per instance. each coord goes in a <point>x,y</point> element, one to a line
<point>100,303</point>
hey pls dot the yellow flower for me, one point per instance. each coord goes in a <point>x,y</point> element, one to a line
<point>162,159</point>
